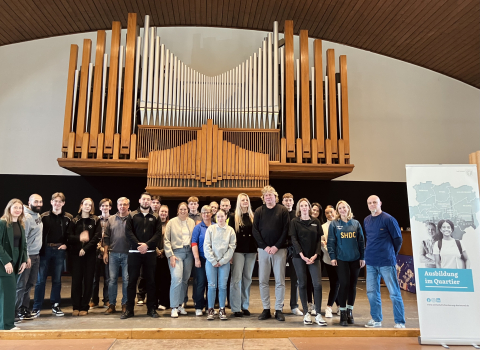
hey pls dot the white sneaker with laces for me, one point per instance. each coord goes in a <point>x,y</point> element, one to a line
<point>307,319</point>
<point>297,312</point>
<point>373,324</point>
<point>174,313</point>
<point>320,321</point>
<point>182,310</point>
<point>328,312</point>
<point>161,307</point>
<point>399,325</point>
<point>198,312</point>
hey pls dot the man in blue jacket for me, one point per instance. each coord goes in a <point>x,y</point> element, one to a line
<point>384,240</point>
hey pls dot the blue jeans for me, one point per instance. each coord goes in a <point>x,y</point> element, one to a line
<point>242,270</point>
<point>389,275</point>
<point>116,260</point>
<point>56,257</point>
<point>180,275</point>
<point>215,274</point>
<point>200,283</point>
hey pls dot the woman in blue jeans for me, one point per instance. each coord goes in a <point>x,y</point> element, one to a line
<point>218,247</point>
<point>244,257</point>
<point>198,237</point>
<point>178,250</point>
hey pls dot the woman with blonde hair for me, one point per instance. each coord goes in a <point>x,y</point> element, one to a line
<point>84,233</point>
<point>162,272</point>
<point>346,248</point>
<point>13,260</point>
<point>178,249</point>
<point>244,257</point>
<point>306,234</point>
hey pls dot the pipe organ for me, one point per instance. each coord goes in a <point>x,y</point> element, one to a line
<point>148,112</point>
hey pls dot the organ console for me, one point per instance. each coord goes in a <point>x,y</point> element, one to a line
<point>148,113</point>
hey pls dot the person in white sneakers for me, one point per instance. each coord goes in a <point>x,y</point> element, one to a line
<point>178,249</point>
<point>218,247</point>
<point>331,270</point>
<point>306,235</point>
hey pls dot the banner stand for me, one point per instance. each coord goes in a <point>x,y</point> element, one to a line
<point>444,209</point>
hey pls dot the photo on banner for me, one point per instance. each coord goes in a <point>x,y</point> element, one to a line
<point>445,224</point>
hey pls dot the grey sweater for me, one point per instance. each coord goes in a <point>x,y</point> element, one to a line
<point>219,244</point>
<point>33,231</point>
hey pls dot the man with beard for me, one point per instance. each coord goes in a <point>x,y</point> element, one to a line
<point>28,278</point>
<point>143,229</point>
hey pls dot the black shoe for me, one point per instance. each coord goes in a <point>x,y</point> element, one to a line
<point>152,313</point>
<point>246,313</point>
<point>343,318</point>
<point>265,314</point>
<point>238,314</point>
<point>350,316</point>
<point>17,320</point>
<point>127,314</point>
<point>279,316</point>
<point>24,314</point>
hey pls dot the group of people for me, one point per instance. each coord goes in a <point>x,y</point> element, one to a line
<point>216,247</point>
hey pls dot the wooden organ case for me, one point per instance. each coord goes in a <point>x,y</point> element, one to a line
<point>149,114</point>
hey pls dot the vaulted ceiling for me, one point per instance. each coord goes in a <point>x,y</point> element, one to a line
<point>441,35</point>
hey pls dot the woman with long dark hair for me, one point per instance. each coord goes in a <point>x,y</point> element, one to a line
<point>84,233</point>
<point>13,259</point>
<point>448,251</point>
<point>162,272</point>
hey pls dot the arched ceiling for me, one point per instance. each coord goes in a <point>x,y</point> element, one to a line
<point>441,35</point>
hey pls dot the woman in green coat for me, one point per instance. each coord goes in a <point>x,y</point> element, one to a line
<point>13,260</point>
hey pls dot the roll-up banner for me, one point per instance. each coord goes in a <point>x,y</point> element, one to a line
<point>445,222</point>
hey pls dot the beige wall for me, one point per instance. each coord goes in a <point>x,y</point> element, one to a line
<point>399,113</point>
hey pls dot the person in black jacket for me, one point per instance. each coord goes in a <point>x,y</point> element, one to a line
<point>270,229</point>
<point>54,244</point>
<point>306,235</point>
<point>143,229</point>
<point>83,236</point>
<point>244,256</point>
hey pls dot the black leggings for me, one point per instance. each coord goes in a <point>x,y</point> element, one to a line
<point>347,275</point>
<point>334,284</point>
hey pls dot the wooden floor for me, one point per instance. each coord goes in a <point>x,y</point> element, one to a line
<point>299,343</point>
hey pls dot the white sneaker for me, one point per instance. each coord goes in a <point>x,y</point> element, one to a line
<point>328,312</point>
<point>198,312</point>
<point>297,312</point>
<point>320,321</point>
<point>399,325</point>
<point>338,311</point>
<point>372,324</point>
<point>140,303</point>
<point>161,307</point>
<point>307,319</point>
<point>15,329</point>
<point>174,313</point>
<point>182,310</point>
